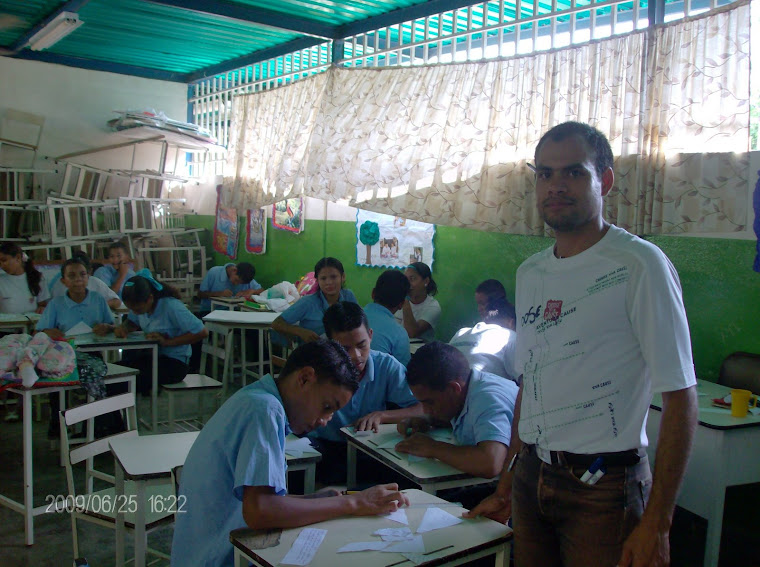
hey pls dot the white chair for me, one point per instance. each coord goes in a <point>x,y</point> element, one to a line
<point>198,384</point>
<point>219,352</point>
<point>277,360</point>
<point>99,507</point>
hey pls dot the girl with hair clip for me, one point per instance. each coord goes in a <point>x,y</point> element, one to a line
<point>22,287</point>
<point>303,319</point>
<point>156,309</point>
<point>421,311</point>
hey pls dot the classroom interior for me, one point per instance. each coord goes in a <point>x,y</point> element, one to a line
<point>720,288</point>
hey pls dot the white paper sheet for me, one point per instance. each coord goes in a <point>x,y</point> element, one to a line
<point>398,516</point>
<point>394,534</point>
<point>390,440</point>
<point>364,546</point>
<point>435,519</point>
<point>414,545</point>
<point>80,328</point>
<point>305,547</point>
<point>296,447</point>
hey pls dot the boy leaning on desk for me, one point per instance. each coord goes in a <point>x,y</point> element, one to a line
<point>235,472</point>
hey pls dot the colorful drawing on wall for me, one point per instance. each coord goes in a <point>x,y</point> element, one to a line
<point>225,228</point>
<point>256,231</point>
<point>387,241</point>
<point>288,215</point>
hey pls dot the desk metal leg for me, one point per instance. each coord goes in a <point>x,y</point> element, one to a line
<point>502,556</point>
<point>351,466</point>
<point>309,476</point>
<point>260,362</point>
<point>28,470</point>
<point>239,558</point>
<point>154,392</point>
<point>121,504</point>
<point>141,542</point>
<point>714,528</point>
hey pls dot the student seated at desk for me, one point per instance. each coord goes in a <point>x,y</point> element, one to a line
<point>235,472</point>
<point>116,274</point>
<point>58,288</point>
<point>156,309</point>
<point>420,313</point>
<point>303,319</point>
<point>479,406</point>
<point>487,291</point>
<point>490,345</point>
<point>227,281</point>
<point>388,297</point>
<point>23,288</point>
<point>381,380</point>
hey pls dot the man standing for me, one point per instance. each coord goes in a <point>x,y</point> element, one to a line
<point>601,326</point>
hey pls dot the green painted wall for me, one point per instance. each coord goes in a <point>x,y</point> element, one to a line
<point>721,292</point>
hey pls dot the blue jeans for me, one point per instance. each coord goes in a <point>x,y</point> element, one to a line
<point>561,521</point>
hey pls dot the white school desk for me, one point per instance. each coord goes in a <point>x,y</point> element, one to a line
<point>431,474</point>
<point>724,454</point>
<point>20,322</point>
<point>145,458</point>
<point>115,374</point>
<point>454,545</point>
<point>231,303</point>
<point>259,320</point>
<point>90,342</point>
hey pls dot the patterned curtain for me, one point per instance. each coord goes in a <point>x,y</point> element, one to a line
<point>448,144</point>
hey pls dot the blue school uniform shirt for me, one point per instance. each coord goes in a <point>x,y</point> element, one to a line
<point>243,444</point>
<point>384,381</point>
<point>308,311</point>
<point>488,410</point>
<point>63,312</point>
<point>387,335</point>
<point>170,318</point>
<point>109,275</point>
<point>216,280</point>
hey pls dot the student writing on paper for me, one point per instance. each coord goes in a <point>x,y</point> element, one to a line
<point>382,380</point>
<point>235,472</point>
<point>229,280</point>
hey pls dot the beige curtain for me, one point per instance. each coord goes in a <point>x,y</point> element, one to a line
<point>448,144</point>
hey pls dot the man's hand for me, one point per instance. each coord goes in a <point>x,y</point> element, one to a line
<point>225,293</point>
<point>308,336</point>
<point>158,337</point>
<point>646,547</point>
<point>418,444</point>
<point>122,268</point>
<point>54,334</point>
<point>371,421</point>
<point>497,507</point>
<point>411,425</point>
<point>380,499</point>
<point>102,329</point>
<point>120,332</point>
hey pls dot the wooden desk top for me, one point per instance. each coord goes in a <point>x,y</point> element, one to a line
<point>711,416</point>
<point>269,547</point>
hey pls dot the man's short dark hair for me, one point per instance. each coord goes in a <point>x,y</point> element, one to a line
<point>329,360</point>
<point>344,316</point>
<point>491,289</point>
<point>246,272</point>
<point>118,245</point>
<point>391,288</point>
<point>593,138</point>
<point>499,308</point>
<point>435,365</point>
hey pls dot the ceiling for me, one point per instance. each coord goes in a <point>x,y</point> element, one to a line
<point>188,40</point>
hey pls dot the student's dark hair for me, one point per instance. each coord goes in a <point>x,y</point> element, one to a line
<point>246,272</point>
<point>74,260</point>
<point>344,316</point>
<point>593,138</point>
<point>82,255</point>
<point>118,245</point>
<point>137,289</point>
<point>329,360</point>
<point>491,289</point>
<point>436,364</point>
<point>328,262</point>
<point>33,275</point>
<point>499,308</point>
<point>424,270</point>
<point>391,288</point>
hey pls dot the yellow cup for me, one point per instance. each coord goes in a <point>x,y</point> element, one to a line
<point>741,401</point>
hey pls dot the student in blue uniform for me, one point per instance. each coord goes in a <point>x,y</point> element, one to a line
<point>303,319</point>
<point>156,309</point>
<point>389,294</point>
<point>382,380</point>
<point>119,270</point>
<point>235,472</point>
<point>58,288</point>
<point>228,281</point>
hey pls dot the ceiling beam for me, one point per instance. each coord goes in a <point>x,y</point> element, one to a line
<point>254,15</point>
<point>97,65</point>
<point>70,6</point>
<point>252,58</point>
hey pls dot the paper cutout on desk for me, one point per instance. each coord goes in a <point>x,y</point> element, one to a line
<point>297,447</point>
<point>398,516</point>
<point>305,547</point>
<point>435,519</point>
<point>362,433</point>
<point>416,558</point>
<point>80,328</point>
<point>364,546</point>
<point>390,440</point>
<point>394,534</point>
<point>414,545</point>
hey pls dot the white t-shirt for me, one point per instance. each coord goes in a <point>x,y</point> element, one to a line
<point>429,310</point>
<point>93,284</point>
<point>489,348</point>
<point>597,334</point>
<point>15,296</point>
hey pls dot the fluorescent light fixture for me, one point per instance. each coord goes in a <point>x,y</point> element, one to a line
<point>55,30</point>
